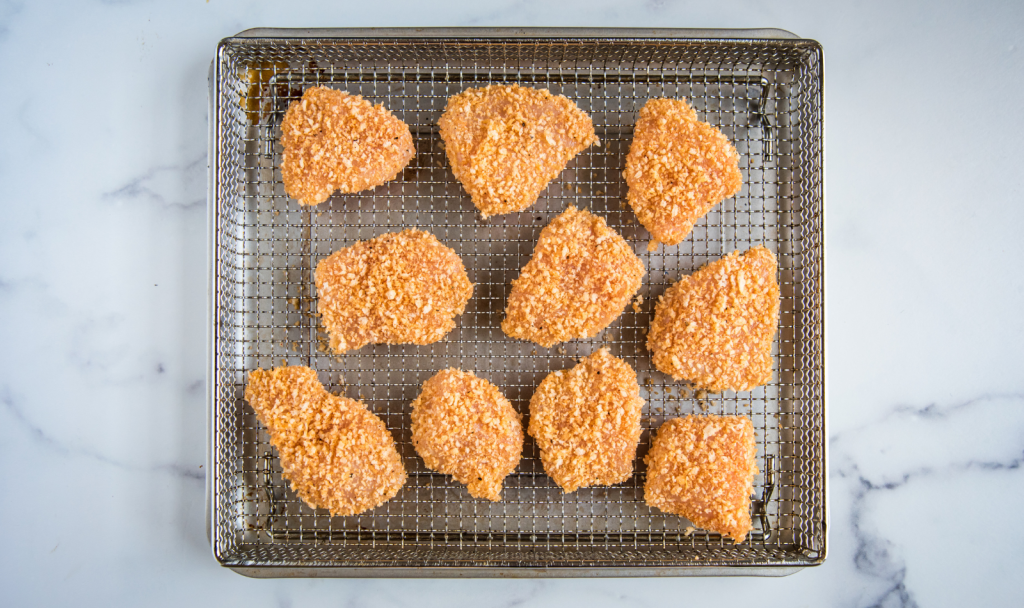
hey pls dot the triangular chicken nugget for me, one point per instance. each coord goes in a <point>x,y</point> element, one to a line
<point>703,468</point>
<point>715,327</point>
<point>336,454</point>
<point>336,141</point>
<point>677,169</point>
<point>505,143</point>
<point>582,274</point>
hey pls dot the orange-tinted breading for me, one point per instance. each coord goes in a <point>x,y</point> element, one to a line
<point>336,454</point>
<point>506,143</point>
<point>715,327</point>
<point>677,169</point>
<point>464,427</point>
<point>586,421</point>
<point>703,468</point>
<point>336,141</point>
<point>398,288</point>
<point>580,278</point>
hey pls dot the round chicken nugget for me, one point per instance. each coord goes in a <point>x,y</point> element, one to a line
<point>398,288</point>
<point>715,327</point>
<point>336,454</point>
<point>336,141</point>
<point>586,421</point>
<point>580,278</point>
<point>677,169</point>
<point>703,468</point>
<point>464,427</point>
<point>506,143</point>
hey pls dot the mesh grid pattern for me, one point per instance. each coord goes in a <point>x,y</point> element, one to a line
<point>764,95</point>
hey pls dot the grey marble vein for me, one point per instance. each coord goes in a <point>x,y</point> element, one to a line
<point>158,186</point>
<point>40,436</point>
<point>9,10</point>
<point>899,437</point>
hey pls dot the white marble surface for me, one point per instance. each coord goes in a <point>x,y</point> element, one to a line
<point>102,301</point>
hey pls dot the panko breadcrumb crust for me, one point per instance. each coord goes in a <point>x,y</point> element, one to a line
<point>464,427</point>
<point>586,421</point>
<point>703,468</point>
<point>336,141</point>
<point>580,278</point>
<point>715,327</point>
<point>677,169</point>
<point>398,288</point>
<point>336,454</point>
<point>505,143</point>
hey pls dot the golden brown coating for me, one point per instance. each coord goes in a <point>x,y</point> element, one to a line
<point>677,169</point>
<point>703,467</point>
<point>464,427</point>
<point>336,141</point>
<point>586,421</point>
<point>398,288</point>
<point>336,454</point>
<point>715,327</point>
<point>580,278</point>
<point>506,143</point>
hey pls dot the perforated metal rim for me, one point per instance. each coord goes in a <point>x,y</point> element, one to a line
<point>782,82</point>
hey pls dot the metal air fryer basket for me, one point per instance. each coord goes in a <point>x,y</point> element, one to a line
<point>762,88</point>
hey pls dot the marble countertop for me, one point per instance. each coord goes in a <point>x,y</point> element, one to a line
<point>103,300</point>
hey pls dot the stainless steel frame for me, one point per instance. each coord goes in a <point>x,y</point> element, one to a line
<point>763,88</point>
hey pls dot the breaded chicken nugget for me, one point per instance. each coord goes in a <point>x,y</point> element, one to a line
<point>715,327</point>
<point>703,468</point>
<point>677,169</point>
<point>336,141</point>
<point>336,454</point>
<point>505,143</point>
<point>464,427</point>
<point>586,421</point>
<point>399,288</point>
<point>580,278</point>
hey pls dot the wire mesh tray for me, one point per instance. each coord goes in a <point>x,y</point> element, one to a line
<point>762,88</point>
